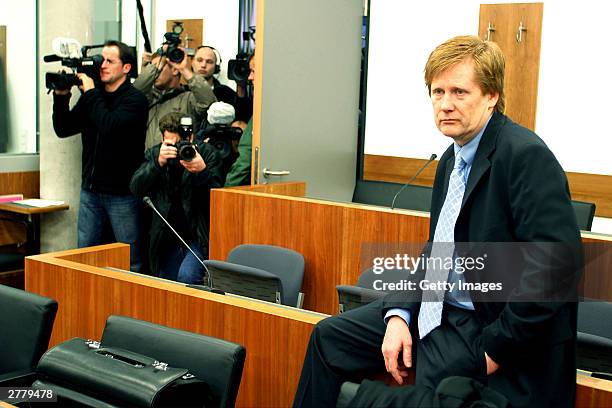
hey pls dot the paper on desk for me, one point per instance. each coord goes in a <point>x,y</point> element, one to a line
<point>39,202</point>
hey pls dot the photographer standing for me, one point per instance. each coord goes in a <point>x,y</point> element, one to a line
<point>178,182</point>
<point>160,81</point>
<point>112,119</point>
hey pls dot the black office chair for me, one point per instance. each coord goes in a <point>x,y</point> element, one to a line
<point>594,351</point>
<point>217,362</point>
<point>381,193</point>
<point>368,289</point>
<point>12,258</point>
<point>585,212</point>
<point>264,272</point>
<point>26,322</point>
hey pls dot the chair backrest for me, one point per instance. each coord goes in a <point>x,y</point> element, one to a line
<point>26,322</point>
<point>381,193</point>
<point>285,263</point>
<point>217,362</point>
<point>370,287</point>
<point>594,350</point>
<point>584,214</point>
<point>351,297</point>
<point>245,281</point>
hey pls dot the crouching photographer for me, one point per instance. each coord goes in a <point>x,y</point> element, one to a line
<point>177,175</point>
<point>222,132</point>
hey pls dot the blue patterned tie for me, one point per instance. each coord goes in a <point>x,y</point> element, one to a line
<point>442,251</point>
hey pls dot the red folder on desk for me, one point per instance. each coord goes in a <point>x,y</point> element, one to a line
<point>7,198</point>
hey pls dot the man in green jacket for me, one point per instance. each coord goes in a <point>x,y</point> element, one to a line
<point>179,187</point>
<point>240,172</point>
<point>160,81</point>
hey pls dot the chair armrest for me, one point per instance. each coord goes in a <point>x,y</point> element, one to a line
<point>347,393</point>
<point>18,378</point>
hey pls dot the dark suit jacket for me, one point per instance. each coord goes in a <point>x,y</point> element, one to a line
<point>518,192</point>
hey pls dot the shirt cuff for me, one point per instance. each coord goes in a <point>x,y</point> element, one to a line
<point>403,313</point>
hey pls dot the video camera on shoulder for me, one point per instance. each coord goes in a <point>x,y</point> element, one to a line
<point>185,148</point>
<point>71,55</point>
<point>172,40</point>
<point>238,69</point>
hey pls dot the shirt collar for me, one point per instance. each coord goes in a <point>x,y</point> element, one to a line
<point>468,150</point>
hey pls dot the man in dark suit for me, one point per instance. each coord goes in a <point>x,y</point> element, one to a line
<point>497,182</point>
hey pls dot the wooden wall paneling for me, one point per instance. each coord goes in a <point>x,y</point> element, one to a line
<point>275,336</point>
<point>12,233</point>
<point>26,183</point>
<point>595,188</point>
<point>328,234</point>
<point>3,91</point>
<point>522,58</point>
<point>334,239</point>
<point>398,169</point>
<point>596,282</point>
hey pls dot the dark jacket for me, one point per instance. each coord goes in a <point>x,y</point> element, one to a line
<point>112,127</point>
<point>518,192</point>
<point>223,93</point>
<point>240,172</point>
<point>194,189</point>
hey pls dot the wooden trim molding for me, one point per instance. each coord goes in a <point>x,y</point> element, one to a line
<point>594,188</point>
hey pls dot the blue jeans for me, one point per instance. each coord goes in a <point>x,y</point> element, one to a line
<point>178,263</point>
<point>122,212</point>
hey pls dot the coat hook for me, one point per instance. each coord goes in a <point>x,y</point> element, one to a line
<point>490,30</point>
<point>519,33</point>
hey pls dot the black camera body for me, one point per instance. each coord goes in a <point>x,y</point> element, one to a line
<point>186,150</point>
<point>173,40</point>
<point>238,69</point>
<point>89,66</point>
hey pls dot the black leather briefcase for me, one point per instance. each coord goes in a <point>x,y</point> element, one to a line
<point>117,377</point>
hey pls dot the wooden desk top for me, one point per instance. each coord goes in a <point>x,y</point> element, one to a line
<point>28,210</point>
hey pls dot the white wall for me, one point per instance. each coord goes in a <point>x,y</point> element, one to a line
<point>220,25</point>
<point>20,22</point>
<point>574,68</point>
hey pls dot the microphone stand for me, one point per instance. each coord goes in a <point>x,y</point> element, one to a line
<point>148,202</point>
<point>431,158</point>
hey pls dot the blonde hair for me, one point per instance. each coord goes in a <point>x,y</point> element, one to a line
<point>489,64</point>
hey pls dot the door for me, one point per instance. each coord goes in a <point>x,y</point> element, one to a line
<point>517,29</point>
<point>307,94</point>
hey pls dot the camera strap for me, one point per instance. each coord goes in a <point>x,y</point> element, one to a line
<point>166,96</point>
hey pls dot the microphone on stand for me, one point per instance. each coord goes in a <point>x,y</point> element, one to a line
<point>148,202</point>
<point>431,158</point>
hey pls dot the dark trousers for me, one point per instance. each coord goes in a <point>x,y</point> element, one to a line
<point>347,347</point>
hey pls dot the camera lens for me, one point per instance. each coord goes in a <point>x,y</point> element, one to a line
<point>186,151</point>
<point>175,54</point>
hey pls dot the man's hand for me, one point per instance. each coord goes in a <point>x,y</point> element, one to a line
<point>397,338</point>
<point>492,366</point>
<point>86,82</point>
<point>146,59</point>
<point>184,67</point>
<point>166,152</point>
<point>196,165</point>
